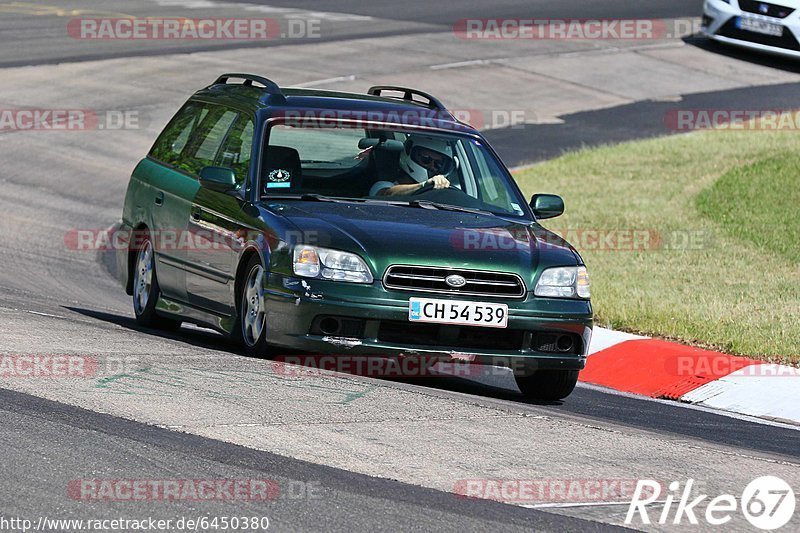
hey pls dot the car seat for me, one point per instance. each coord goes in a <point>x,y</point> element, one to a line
<point>281,171</point>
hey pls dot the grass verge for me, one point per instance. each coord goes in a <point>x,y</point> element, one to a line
<point>719,264</point>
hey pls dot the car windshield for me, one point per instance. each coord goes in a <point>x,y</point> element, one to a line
<point>414,167</point>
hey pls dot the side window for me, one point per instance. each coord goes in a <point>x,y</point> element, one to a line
<point>236,151</point>
<point>206,139</point>
<point>491,187</point>
<point>173,140</point>
<point>193,137</point>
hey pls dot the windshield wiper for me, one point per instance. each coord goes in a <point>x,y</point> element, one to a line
<point>427,204</point>
<point>313,197</point>
<point>308,197</point>
<point>423,204</point>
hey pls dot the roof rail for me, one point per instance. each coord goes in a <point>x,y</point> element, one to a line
<point>270,87</point>
<point>408,95</point>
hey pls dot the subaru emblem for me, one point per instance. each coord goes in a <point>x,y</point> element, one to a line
<point>763,8</point>
<point>455,281</point>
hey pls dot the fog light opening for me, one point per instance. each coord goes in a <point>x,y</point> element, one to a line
<point>565,343</point>
<point>330,326</point>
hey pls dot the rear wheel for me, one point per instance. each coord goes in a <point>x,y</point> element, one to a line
<point>548,384</point>
<point>252,312</point>
<point>146,290</point>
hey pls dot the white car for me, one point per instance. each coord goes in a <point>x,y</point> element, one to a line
<point>767,26</point>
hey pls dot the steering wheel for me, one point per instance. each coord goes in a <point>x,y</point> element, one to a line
<point>429,187</point>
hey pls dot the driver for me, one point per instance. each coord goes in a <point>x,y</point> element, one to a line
<point>425,161</point>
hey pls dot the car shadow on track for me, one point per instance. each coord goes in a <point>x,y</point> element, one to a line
<point>202,338</point>
<point>497,385</point>
<point>751,56</point>
<point>502,390</point>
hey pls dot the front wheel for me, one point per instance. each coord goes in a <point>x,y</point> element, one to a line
<point>252,322</point>
<point>548,384</point>
<point>146,290</point>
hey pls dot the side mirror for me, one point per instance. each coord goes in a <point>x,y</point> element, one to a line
<point>218,179</point>
<point>547,205</point>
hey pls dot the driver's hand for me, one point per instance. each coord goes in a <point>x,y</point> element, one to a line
<point>439,182</point>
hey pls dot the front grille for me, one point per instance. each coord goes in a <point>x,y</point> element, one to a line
<point>432,279</point>
<point>786,41</point>
<point>454,337</point>
<point>763,8</point>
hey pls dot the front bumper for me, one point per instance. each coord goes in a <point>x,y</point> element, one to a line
<point>294,307</point>
<point>719,24</point>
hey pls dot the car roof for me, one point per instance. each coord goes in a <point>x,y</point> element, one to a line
<point>309,103</point>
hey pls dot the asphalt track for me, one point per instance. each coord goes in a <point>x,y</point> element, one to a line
<point>123,449</point>
<point>529,143</point>
<point>34,32</point>
<point>444,13</point>
<point>55,301</point>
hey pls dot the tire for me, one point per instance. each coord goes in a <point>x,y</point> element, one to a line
<point>548,384</point>
<point>251,322</point>
<point>146,290</point>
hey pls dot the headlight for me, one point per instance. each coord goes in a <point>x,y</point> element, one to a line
<point>563,282</point>
<point>322,263</point>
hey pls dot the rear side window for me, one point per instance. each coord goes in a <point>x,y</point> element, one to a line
<point>211,132</point>
<point>175,137</point>
<point>193,138</point>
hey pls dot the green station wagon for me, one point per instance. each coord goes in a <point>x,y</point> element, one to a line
<point>370,225</point>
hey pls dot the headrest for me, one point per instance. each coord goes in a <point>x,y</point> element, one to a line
<point>281,168</point>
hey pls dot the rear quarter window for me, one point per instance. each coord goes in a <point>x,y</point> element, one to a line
<point>173,140</point>
<point>193,138</point>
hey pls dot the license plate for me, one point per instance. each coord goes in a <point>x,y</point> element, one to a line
<point>759,26</point>
<point>458,312</point>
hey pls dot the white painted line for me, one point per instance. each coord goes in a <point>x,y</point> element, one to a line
<point>459,64</point>
<point>326,81</point>
<point>44,314</point>
<point>576,504</point>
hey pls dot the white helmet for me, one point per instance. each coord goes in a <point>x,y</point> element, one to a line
<point>417,150</point>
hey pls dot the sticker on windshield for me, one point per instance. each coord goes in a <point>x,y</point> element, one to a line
<point>279,178</point>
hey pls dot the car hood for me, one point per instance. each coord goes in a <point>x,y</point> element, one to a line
<point>390,235</point>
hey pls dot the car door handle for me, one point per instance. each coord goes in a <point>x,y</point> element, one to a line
<point>159,198</point>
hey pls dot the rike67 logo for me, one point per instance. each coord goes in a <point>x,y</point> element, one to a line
<point>767,502</point>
